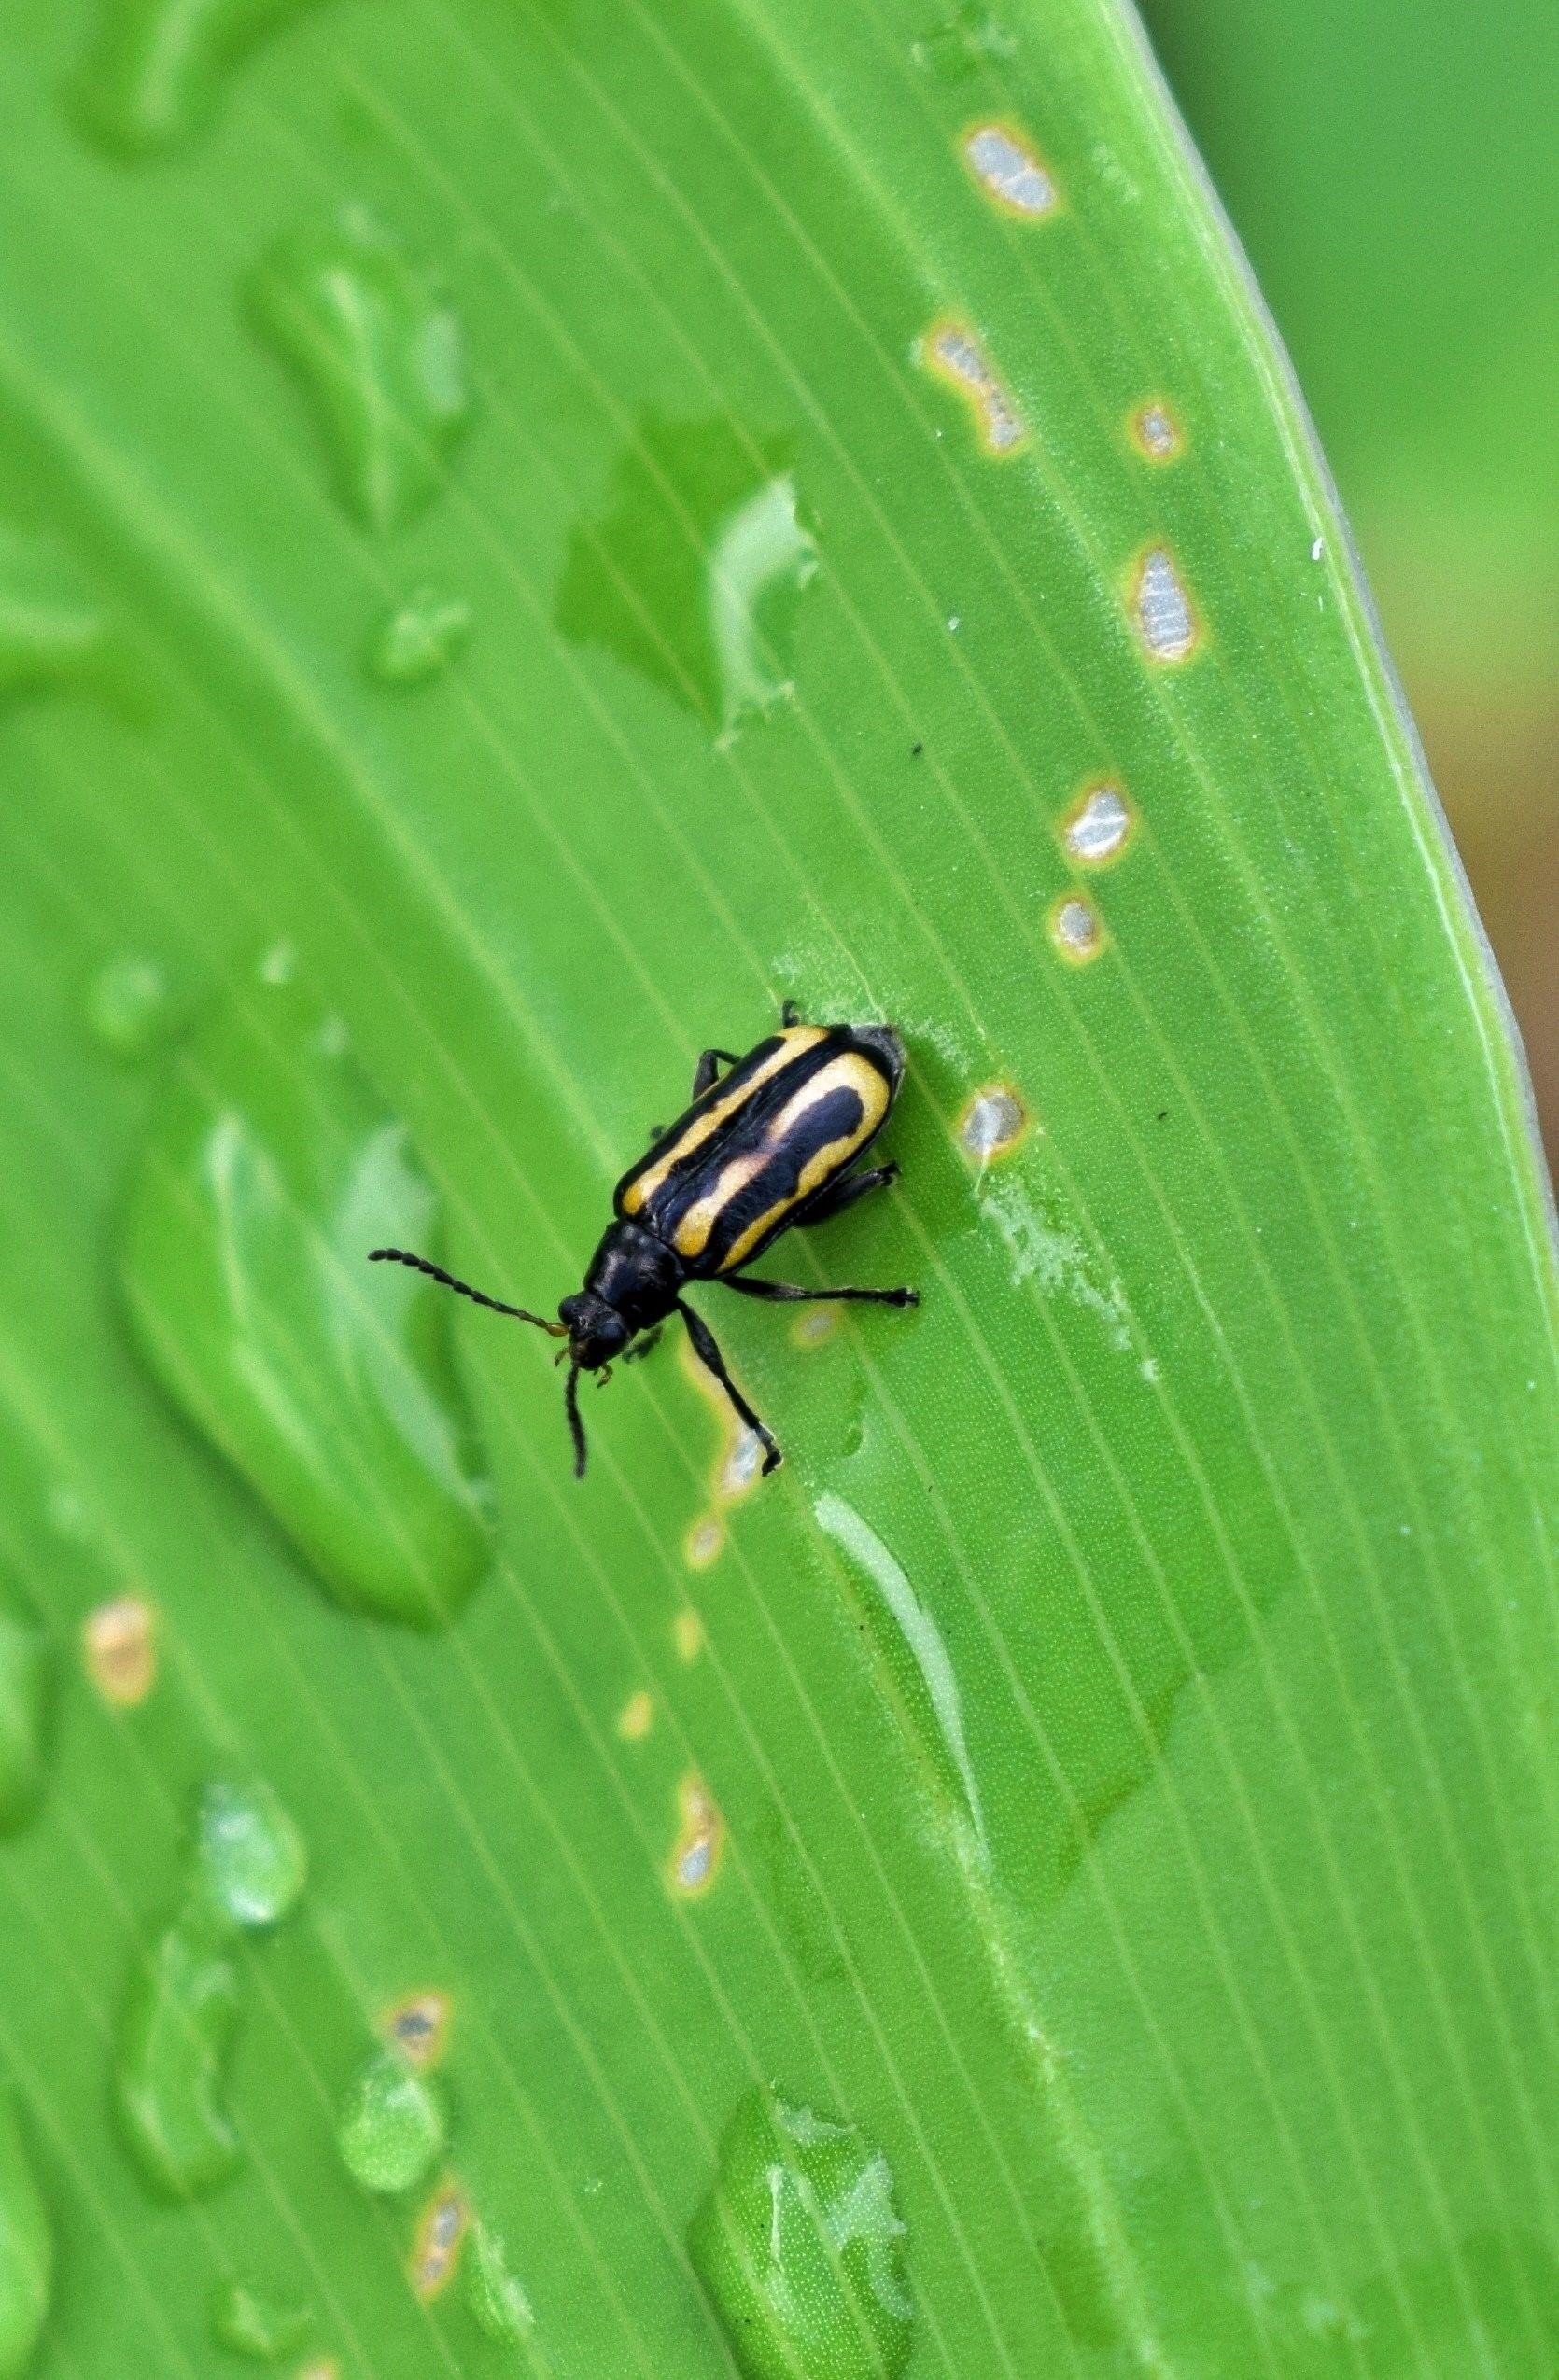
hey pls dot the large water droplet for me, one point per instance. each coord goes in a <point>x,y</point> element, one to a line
<point>26,2250</point>
<point>271,1172</point>
<point>692,577</point>
<point>392,2125</point>
<point>378,353</point>
<point>26,1671</point>
<point>963,44</point>
<point>159,66</point>
<point>252,1860</point>
<point>260,2328</point>
<point>420,638</point>
<point>801,2248</point>
<point>171,2065</point>
<point>495,2298</point>
<point>127,1005</point>
<point>55,637</point>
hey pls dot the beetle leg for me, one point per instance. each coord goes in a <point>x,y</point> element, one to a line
<point>709,1355</point>
<point>641,1347</point>
<point>784,1293</point>
<point>707,1069</point>
<point>844,1192</point>
<point>789,1015</point>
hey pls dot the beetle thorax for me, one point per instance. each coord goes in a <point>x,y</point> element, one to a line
<point>632,1275</point>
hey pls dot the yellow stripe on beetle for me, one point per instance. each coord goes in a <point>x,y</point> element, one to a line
<point>794,1039</point>
<point>849,1072</point>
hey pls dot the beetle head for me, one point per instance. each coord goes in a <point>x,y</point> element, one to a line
<point>597,1331</point>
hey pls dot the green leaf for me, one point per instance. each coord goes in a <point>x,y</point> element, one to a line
<point>1057,1879</point>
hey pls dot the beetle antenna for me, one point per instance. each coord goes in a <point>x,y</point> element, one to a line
<point>463,1288</point>
<point>570,1405</point>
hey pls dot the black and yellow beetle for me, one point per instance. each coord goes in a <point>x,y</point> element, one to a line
<point>770,1146</point>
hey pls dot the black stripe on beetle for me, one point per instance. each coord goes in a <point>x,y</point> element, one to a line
<point>771,1145</point>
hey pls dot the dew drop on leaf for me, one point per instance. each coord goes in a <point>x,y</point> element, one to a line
<point>495,2297</point>
<point>260,2328</point>
<point>26,2249</point>
<point>157,69</point>
<point>251,1858</point>
<point>25,1676</point>
<point>416,641</point>
<point>270,1171</point>
<point>392,2125</point>
<point>127,1005</point>
<point>55,637</point>
<point>692,575</point>
<point>801,2248</point>
<point>169,2066</point>
<point>378,353</point>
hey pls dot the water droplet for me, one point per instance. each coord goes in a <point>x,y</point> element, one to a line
<point>378,353</point>
<point>1003,161</point>
<point>687,1635</point>
<point>392,2125</point>
<point>26,2249</point>
<point>636,1717</point>
<point>1075,928</point>
<point>418,2027</point>
<point>695,1854</point>
<point>171,2062</point>
<point>127,1006</point>
<point>26,1667</point>
<point>1156,432</point>
<point>801,2248</point>
<point>955,355</point>
<point>694,574</point>
<point>910,1647</point>
<point>995,1121</point>
<point>259,2327</point>
<point>704,1540</point>
<point>1162,608</point>
<point>118,1640</point>
<point>159,67</point>
<point>251,1857</point>
<point>55,637</point>
<point>435,2256</point>
<point>495,2297</point>
<point>269,1172</point>
<point>951,52</point>
<point>1098,828</point>
<point>420,638</point>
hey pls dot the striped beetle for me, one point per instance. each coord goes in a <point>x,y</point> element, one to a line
<point>768,1147</point>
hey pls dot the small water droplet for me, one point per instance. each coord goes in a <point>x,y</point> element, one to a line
<point>1005,164</point>
<point>159,67</point>
<point>55,637</point>
<point>260,2328</point>
<point>127,1005</point>
<point>1075,928</point>
<point>418,2027</point>
<point>636,1717</point>
<point>251,1857</point>
<point>1156,432</point>
<point>435,2256</point>
<point>420,638</point>
<point>170,2067</point>
<point>26,1676</point>
<point>953,353</point>
<point>1098,828</point>
<point>392,2125</point>
<point>995,1121</point>
<point>1162,608</point>
<point>495,2297</point>
<point>378,353</point>
<point>26,2249</point>
<point>694,574</point>
<point>953,51</point>
<point>801,2248</point>
<point>119,1642</point>
<point>270,1171</point>
<point>695,1854</point>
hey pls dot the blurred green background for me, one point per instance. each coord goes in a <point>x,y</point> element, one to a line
<point>1393,170</point>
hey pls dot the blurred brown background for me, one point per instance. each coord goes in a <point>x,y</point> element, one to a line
<point>1392,169</point>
